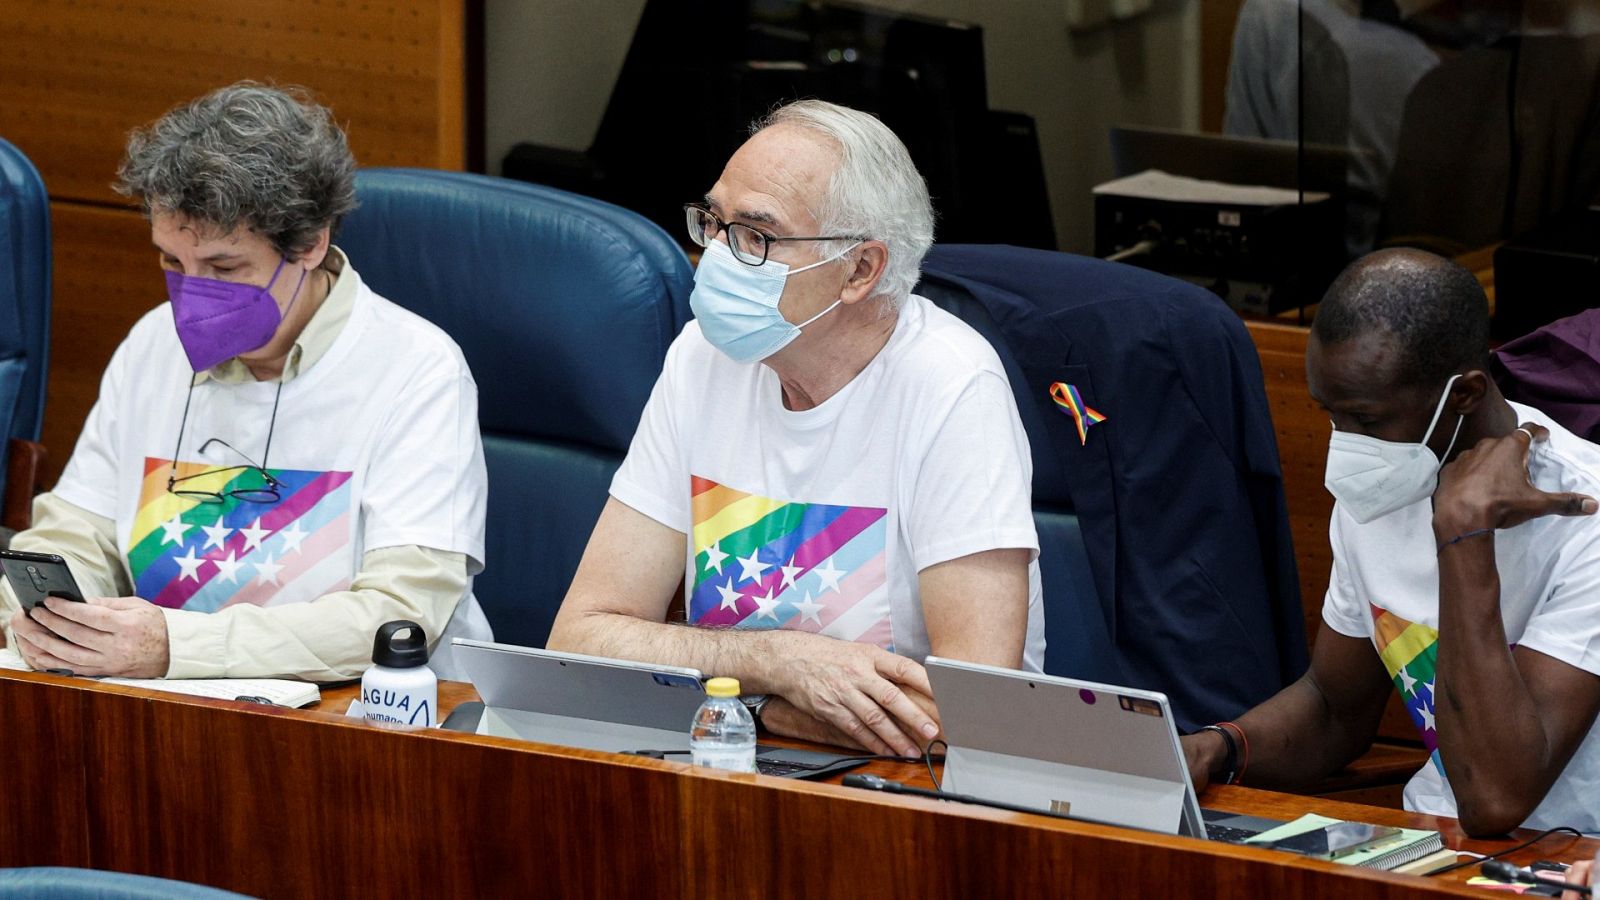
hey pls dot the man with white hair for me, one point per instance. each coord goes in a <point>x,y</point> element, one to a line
<point>834,465</point>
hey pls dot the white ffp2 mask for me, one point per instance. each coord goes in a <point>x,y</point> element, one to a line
<point>1372,478</point>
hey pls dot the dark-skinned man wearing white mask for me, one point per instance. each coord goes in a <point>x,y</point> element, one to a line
<point>1466,569</point>
<point>833,466</point>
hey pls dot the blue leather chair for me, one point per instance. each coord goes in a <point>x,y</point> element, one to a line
<point>60,883</point>
<point>564,307</point>
<point>24,300</point>
<point>1165,546</point>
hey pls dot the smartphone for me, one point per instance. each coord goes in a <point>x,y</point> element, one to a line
<point>35,576</point>
<point>1336,840</point>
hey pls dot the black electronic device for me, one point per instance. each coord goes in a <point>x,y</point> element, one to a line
<point>1259,258</point>
<point>1337,840</point>
<point>36,576</point>
<point>700,71</point>
<point>1546,274</point>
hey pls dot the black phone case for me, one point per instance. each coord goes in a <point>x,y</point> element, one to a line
<point>35,576</point>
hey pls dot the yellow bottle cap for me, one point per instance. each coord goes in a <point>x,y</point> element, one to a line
<point>722,687</point>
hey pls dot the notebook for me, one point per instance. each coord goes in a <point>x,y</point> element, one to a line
<point>278,691</point>
<point>1410,846</point>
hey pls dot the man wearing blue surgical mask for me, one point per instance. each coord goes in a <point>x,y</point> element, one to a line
<point>1466,571</point>
<point>832,466</point>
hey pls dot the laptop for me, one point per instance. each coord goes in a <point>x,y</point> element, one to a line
<point>614,705</point>
<point>1087,750</point>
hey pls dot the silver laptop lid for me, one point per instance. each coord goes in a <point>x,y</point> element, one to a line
<point>1092,750</point>
<point>580,701</point>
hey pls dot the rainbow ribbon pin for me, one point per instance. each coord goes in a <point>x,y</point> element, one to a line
<point>1066,396</point>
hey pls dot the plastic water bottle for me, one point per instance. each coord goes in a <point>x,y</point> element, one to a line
<point>724,734</point>
<point>400,691</point>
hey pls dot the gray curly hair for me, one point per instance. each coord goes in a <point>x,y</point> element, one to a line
<point>876,191</point>
<point>268,158</point>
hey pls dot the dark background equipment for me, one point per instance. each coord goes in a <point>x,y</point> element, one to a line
<point>1549,273</point>
<point>1259,259</point>
<point>700,71</point>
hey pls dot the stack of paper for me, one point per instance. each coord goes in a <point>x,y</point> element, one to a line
<point>278,691</point>
<point>1412,851</point>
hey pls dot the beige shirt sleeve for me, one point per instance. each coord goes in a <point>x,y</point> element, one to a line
<point>86,541</point>
<point>329,638</point>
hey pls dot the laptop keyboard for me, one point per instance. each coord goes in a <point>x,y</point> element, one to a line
<point>1229,835</point>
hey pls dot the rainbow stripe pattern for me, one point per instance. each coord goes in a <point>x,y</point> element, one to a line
<point>186,554</point>
<point>766,563</point>
<point>1410,653</point>
<point>1070,402</point>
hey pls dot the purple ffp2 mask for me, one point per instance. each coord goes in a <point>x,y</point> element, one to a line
<point>218,320</point>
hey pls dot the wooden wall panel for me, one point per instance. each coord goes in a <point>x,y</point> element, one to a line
<point>106,277</point>
<point>76,75</point>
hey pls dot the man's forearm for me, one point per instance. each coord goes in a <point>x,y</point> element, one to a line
<point>748,655</point>
<point>1493,744</point>
<point>1296,738</point>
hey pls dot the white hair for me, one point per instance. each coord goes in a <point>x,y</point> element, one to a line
<point>875,193</point>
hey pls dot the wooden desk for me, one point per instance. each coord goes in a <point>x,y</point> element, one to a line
<point>307,803</point>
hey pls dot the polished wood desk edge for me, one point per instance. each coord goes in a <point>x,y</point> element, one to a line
<point>1237,799</point>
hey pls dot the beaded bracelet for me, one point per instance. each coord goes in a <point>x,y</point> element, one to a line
<point>1476,532</point>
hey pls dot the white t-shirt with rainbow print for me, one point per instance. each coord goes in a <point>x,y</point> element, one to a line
<point>1385,586</point>
<point>820,520</point>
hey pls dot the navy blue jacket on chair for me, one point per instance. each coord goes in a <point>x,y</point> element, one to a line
<point>564,307</point>
<point>24,299</point>
<point>1184,578</point>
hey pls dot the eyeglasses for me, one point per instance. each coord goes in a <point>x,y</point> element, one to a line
<point>267,492</point>
<point>749,246</point>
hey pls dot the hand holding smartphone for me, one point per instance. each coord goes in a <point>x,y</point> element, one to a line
<point>36,576</point>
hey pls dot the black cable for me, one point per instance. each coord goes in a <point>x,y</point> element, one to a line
<point>927,757</point>
<point>1522,846</point>
<point>820,770</point>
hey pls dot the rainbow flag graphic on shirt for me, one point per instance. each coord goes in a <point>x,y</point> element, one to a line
<point>187,554</point>
<point>1409,652</point>
<point>766,563</point>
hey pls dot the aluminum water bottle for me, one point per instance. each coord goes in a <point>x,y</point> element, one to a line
<point>400,691</point>
<point>724,734</point>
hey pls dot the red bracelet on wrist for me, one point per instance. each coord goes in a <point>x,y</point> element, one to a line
<point>1244,757</point>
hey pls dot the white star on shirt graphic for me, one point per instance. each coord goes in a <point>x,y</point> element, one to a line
<point>189,566</point>
<point>766,606</point>
<point>752,567</point>
<point>790,573</point>
<point>714,557</point>
<point>267,570</point>
<point>173,530</point>
<point>1409,682</point>
<point>730,597</point>
<point>228,568</point>
<point>1426,711</point>
<point>829,576</point>
<point>810,609</point>
<point>254,535</point>
<point>292,536</point>
<point>216,535</point>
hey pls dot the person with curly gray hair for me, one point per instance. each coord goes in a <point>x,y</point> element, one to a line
<point>835,465</point>
<point>280,460</point>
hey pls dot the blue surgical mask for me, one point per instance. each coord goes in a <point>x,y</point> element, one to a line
<point>737,305</point>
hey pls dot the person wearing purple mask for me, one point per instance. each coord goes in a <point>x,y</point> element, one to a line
<point>280,460</point>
